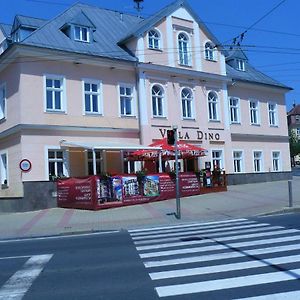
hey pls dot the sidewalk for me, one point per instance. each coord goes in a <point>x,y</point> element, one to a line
<point>240,201</point>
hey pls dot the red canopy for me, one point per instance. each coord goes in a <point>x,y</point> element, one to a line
<point>185,150</point>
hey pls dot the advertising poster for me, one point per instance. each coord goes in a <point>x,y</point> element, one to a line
<point>117,188</point>
<point>130,186</point>
<point>151,186</point>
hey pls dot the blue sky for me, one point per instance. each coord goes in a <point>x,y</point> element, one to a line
<point>272,44</point>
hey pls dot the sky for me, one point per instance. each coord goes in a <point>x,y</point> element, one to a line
<point>271,40</point>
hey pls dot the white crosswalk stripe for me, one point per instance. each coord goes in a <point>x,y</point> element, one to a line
<point>232,256</point>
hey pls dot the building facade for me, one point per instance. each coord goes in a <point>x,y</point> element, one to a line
<point>81,90</point>
<point>293,119</point>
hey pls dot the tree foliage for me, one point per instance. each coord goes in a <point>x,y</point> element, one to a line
<point>294,143</point>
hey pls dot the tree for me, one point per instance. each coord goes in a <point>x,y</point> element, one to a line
<point>294,145</point>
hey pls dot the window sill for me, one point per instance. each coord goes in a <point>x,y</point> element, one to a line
<point>2,120</point>
<point>254,124</point>
<point>4,186</point>
<point>186,66</point>
<point>61,112</point>
<point>188,119</point>
<point>156,49</point>
<point>215,121</point>
<point>91,114</point>
<point>159,117</point>
<point>128,116</point>
<point>235,123</point>
<point>273,126</point>
<point>211,60</point>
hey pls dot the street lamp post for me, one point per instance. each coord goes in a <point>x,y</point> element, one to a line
<point>178,210</point>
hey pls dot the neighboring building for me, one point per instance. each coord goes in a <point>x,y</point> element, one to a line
<point>76,92</point>
<point>293,119</point>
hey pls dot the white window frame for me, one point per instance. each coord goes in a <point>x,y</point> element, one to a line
<point>62,91</point>
<point>241,161</point>
<point>64,160</point>
<point>240,64</point>
<point>3,102</point>
<point>4,174</point>
<point>91,93</point>
<point>81,36</point>
<point>213,107</point>
<point>187,103</point>
<point>254,111</point>
<point>132,97</point>
<point>278,159</point>
<point>235,109</point>
<point>298,132</point>
<point>273,114</point>
<point>261,161</point>
<point>209,51</point>
<point>220,159</point>
<point>153,39</point>
<point>158,98</point>
<point>184,55</point>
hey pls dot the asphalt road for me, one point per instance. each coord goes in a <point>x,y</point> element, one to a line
<point>234,259</point>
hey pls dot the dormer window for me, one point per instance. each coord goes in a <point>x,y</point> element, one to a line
<point>81,34</point>
<point>209,51</point>
<point>240,64</point>
<point>154,39</point>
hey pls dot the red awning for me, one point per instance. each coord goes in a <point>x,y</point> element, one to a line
<point>167,151</point>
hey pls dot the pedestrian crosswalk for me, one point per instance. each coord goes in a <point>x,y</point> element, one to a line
<point>232,259</point>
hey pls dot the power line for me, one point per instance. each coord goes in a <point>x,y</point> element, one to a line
<point>239,38</point>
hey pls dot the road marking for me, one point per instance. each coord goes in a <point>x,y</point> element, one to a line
<point>190,227</point>
<point>278,296</point>
<point>14,257</point>
<point>229,235</point>
<point>184,225</point>
<point>201,231</point>
<point>224,255</point>
<point>221,284</point>
<point>224,268</point>
<point>219,247</point>
<point>17,285</point>
<point>58,237</point>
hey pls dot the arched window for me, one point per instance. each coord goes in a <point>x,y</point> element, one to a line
<point>187,103</point>
<point>213,106</point>
<point>154,39</point>
<point>157,101</point>
<point>183,48</point>
<point>209,51</point>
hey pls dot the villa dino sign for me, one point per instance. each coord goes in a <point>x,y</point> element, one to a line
<point>193,134</point>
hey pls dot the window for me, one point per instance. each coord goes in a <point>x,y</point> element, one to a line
<point>126,100</point>
<point>186,103</point>
<point>254,116</point>
<point>56,163</point>
<point>183,46</point>
<point>90,162</point>
<point>217,158</point>
<point>82,34</point>
<point>234,104</point>
<point>209,51</point>
<point>298,132</point>
<point>272,107</point>
<point>157,101</point>
<point>92,97</point>
<point>54,94</point>
<point>3,168</point>
<point>237,161</point>
<point>297,119</point>
<point>2,102</point>
<point>257,161</point>
<point>240,65</point>
<point>275,161</point>
<point>213,106</point>
<point>154,39</point>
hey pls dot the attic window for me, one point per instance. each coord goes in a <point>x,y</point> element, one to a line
<point>240,65</point>
<point>82,34</point>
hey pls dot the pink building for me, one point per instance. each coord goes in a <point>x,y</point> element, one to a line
<point>80,90</point>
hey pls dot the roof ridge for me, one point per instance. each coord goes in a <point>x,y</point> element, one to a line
<point>36,18</point>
